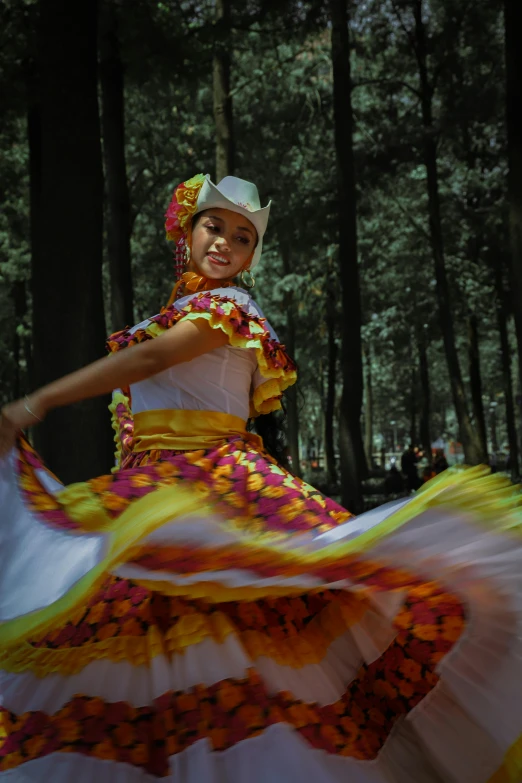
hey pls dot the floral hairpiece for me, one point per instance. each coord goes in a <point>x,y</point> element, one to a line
<point>182,208</point>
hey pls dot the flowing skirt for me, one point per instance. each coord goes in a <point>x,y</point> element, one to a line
<point>205,617</point>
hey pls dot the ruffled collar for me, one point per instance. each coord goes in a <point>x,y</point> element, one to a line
<point>191,283</point>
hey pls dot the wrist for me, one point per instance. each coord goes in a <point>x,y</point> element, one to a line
<point>37,404</point>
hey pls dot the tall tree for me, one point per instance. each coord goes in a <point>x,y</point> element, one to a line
<point>513,22</point>
<point>505,355</point>
<point>329,408</point>
<point>475,381</point>
<point>68,317</point>
<point>473,450</point>
<point>21,346</point>
<point>425,408</point>
<point>368,406</point>
<point>113,127</point>
<point>223,113</point>
<point>350,437</point>
<point>292,409</point>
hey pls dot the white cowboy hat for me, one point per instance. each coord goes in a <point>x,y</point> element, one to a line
<point>239,196</point>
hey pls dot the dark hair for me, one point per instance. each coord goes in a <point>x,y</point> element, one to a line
<point>271,428</point>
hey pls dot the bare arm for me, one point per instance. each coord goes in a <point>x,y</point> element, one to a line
<point>180,343</point>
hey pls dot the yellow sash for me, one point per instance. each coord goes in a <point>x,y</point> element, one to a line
<point>183,430</point>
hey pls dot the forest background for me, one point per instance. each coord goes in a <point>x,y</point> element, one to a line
<point>387,134</point>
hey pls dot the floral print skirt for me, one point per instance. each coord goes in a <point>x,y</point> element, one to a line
<point>206,616</point>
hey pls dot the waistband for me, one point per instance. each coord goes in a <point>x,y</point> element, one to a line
<point>186,430</point>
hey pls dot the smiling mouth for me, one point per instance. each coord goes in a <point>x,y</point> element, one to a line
<point>218,260</point>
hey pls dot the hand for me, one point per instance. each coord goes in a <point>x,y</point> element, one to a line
<point>16,417</point>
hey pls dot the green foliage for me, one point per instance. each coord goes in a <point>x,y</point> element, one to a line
<point>283,115</point>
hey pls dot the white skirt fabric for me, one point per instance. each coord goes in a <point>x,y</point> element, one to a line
<point>160,638</point>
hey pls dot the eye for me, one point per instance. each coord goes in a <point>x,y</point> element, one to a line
<point>243,240</point>
<point>212,228</point>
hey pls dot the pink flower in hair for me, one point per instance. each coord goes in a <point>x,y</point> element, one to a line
<point>172,226</point>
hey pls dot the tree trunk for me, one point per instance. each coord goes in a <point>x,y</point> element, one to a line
<point>368,409</point>
<point>19,345</point>
<point>292,410</point>
<point>350,438</point>
<point>34,137</point>
<point>223,114</point>
<point>329,409</point>
<point>513,25</point>
<point>473,451</point>
<point>425,411</point>
<point>68,319</point>
<point>113,126</point>
<point>505,354</point>
<point>413,406</point>
<point>475,380</point>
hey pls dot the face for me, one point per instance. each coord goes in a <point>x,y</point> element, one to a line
<point>222,243</point>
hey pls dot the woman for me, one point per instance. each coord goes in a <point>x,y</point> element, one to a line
<point>201,615</point>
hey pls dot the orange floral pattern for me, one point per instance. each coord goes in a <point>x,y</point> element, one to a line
<point>232,710</point>
<point>245,484</point>
<point>35,495</point>
<point>124,612</point>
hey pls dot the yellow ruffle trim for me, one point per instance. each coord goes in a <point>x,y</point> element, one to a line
<point>118,398</point>
<point>218,593</point>
<point>491,500</point>
<point>84,507</point>
<point>312,644</point>
<point>137,521</point>
<point>267,396</point>
<point>308,647</point>
<point>42,661</point>
<point>511,769</point>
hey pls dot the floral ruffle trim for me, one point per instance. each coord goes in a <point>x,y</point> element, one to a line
<point>305,643</point>
<point>123,426</point>
<point>244,331</point>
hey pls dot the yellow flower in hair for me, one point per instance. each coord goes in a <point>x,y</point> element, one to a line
<point>194,182</point>
<point>187,197</point>
<point>182,207</point>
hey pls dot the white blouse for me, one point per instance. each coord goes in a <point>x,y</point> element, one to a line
<point>220,380</point>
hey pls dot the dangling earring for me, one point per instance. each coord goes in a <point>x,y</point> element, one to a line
<point>251,283</point>
<point>180,258</point>
<point>181,262</point>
